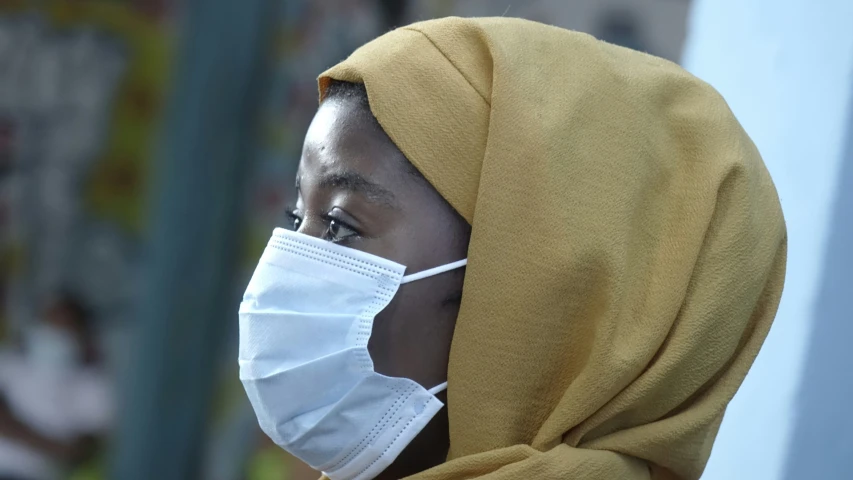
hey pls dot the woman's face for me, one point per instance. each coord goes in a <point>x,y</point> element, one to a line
<point>355,188</point>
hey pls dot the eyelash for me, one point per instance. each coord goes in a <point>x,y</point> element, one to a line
<point>295,221</point>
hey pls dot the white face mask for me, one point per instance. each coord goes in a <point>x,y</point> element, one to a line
<point>305,321</point>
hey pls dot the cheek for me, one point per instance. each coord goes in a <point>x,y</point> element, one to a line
<point>421,243</point>
<point>411,338</point>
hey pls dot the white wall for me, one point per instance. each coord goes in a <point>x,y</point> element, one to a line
<point>785,68</point>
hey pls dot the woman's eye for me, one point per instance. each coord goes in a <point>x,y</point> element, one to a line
<point>339,231</point>
<point>294,220</point>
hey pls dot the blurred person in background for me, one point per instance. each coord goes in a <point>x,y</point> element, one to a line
<point>55,399</point>
<point>573,246</point>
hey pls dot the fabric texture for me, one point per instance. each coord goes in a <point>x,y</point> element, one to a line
<point>627,252</point>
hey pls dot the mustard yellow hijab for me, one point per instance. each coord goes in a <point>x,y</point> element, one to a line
<point>627,253</point>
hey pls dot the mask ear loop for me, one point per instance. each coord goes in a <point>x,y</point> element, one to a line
<point>429,273</point>
<point>438,388</point>
<point>435,271</point>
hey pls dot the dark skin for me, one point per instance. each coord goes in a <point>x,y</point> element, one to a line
<point>355,188</point>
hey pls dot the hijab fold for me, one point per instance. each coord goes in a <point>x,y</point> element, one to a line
<point>627,252</point>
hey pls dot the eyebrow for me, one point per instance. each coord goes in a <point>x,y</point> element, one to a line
<point>356,183</point>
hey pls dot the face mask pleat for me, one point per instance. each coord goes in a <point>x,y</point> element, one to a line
<point>265,332</point>
<point>330,377</point>
<point>387,400</point>
<point>287,278</point>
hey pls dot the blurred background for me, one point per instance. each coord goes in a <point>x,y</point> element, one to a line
<point>148,147</point>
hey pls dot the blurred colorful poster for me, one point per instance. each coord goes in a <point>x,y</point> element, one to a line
<point>81,89</point>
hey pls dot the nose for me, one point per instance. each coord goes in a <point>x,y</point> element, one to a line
<point>313,226</point>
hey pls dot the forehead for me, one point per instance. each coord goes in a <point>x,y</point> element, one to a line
<point>343,138</point>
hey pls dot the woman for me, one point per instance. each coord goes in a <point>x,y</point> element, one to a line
<point>625,257</point>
